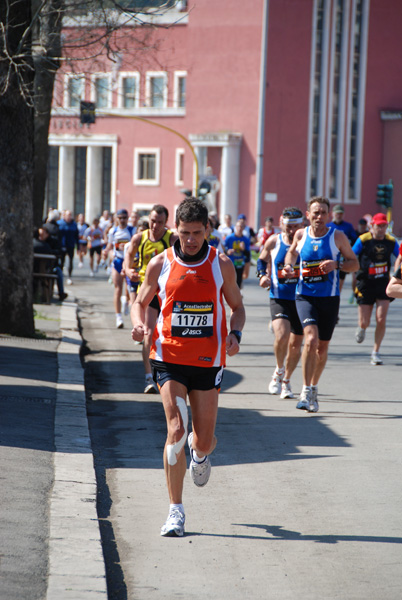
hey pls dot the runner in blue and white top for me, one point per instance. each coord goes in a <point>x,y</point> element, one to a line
<point>285,320</point>
<point>317,293</point>
<point>119,235</point>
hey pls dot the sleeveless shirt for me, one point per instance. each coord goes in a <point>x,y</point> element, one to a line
<point>282,286</point>
<point>191,327</point>
<point>148,249</point>
<point>313,250</point>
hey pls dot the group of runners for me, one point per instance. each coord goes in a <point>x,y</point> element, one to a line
<point>180,285</point>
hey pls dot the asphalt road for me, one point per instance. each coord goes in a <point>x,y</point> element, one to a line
<point>299,505</point>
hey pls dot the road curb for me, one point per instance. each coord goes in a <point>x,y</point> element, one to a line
<point>76,564</point>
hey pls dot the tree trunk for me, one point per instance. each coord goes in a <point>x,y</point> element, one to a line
<point>46,54</point>
<point>16,171</point>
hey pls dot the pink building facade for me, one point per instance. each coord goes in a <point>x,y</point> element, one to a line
<point>274,101</point>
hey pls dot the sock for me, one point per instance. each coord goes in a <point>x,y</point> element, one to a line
<point>148,377</point>
<point>197,459</point>
<point>118,314</point>
<point>314,387</point>
<point>279,371</point>
<point>180,507</point>
<point>306,388</point>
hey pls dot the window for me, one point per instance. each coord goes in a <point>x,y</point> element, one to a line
<point>156,90</point>
<point>355,133</point>
<point>129,90</point>
<point>338,79</point>
<point>74,91</point>
<point>102,91</point>
<point>180,79</point>
<point>337,112</point>
<point>146,166</point>
<point>319,83</point>
<point>179,171</point>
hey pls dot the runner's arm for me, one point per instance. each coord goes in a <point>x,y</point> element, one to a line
<point>350,263</point>
<point>265,260</point>
<point>130,254</point>
<point>145,294</point>
<point>292,253</point>
<point>233,297</point>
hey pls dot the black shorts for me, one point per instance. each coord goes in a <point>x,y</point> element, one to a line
<point>155,304</point>
<point>286,309</point>
<point>194,378</point>
<point>97,250</point>
<point>342,274</point>
<point>319,311</point>
<point>369,290</point>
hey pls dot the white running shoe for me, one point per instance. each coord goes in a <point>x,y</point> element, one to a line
<point>91,273</point>
<point>80,265</point>
<point>119,322</point>
<point>375,358</point>
<point>360,335</point>
<point>199,472</point>
<point>69,282</point>
<point>304,400</point>
<point>313,407</point>
<point>286,390</point>
<point>150,387</point>
<point>275,385</point>
<point>174,526</point>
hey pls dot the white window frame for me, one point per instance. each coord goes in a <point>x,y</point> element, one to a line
<point>107,76</point>
<point>120,97</point>
<point>342,105</point>
<point>180,152</point>
<point>150,75</point>
<point>361,107</point>
<point>66,98</point>
<point>178,75</point>
<point>323,100</point>
<point>147,182</point>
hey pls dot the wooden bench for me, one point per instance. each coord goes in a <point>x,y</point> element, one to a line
<point>43,277</point>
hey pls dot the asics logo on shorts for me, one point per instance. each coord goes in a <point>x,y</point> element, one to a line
<point>281,315</point>
<point>309,321</point>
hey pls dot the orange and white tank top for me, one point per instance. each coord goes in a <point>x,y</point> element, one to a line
<point>191,328</point>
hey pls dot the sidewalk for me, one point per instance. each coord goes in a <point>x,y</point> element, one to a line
<point>49,529</point>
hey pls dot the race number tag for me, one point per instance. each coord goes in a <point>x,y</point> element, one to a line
<point>312,272</point>
<point>377,270</point>
<point>283,277</point>
<point>192,319</point>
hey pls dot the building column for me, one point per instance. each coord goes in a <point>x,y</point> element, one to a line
<point>230,171</point>
<point>201,153</point>
<point>66,183</point>
<point>93,191</point>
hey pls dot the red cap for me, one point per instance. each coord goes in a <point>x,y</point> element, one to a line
<point>379,219</point>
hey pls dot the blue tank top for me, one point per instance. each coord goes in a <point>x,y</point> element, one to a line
<point>282,286</point>
<point>312,251</point>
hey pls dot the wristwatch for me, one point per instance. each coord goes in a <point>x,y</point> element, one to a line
<point>237,334</point>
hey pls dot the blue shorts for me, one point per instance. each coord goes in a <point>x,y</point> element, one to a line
<point>194,378</point>
<point>118,264</point>
<point>132,286</point>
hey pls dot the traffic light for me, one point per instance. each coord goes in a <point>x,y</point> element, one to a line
<point>87,112</point>
<point>384,194</point>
